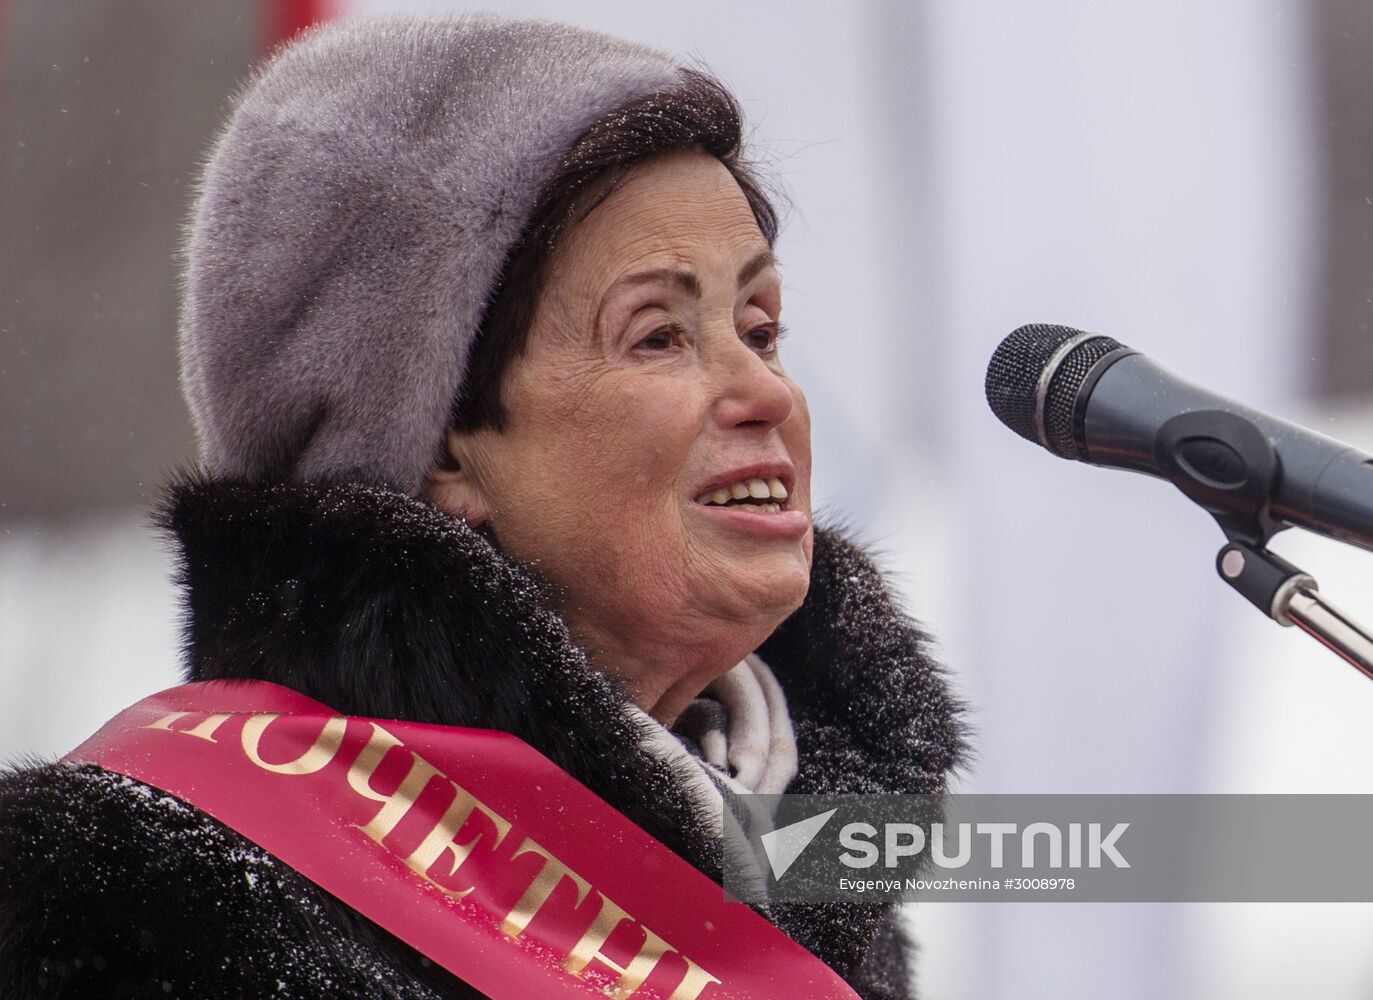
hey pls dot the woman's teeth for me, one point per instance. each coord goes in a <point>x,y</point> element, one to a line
<point>762,495</point>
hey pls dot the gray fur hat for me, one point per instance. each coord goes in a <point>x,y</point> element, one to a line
<point>353,219</point>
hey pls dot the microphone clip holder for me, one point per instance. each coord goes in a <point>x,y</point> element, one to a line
<point>1290,596</point>
<point>1226,464</point>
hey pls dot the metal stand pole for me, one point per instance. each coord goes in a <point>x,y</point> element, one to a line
<point>1333,629</point>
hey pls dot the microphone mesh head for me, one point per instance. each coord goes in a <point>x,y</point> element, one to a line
<point>1013,380</point>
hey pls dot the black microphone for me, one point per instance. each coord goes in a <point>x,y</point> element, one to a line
<point>1087,398</point>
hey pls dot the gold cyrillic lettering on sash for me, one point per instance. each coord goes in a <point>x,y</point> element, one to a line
<point>205,729</point>
<point>441,839</point>
<point>551,872</point>
<point>632,976</point>
<point>320,753</point>
<point>695,982</point>
<point>398,803</point>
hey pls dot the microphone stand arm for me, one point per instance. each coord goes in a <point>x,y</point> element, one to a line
<point>1290,596</point>
<point>1227,464</point>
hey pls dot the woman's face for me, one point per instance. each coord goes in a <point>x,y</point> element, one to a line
<point>651,390</point>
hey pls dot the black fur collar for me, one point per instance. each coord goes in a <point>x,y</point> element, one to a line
<point>381,605</point>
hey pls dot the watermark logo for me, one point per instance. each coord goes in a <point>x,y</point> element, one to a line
<point>1082,848</point>
<point>783,846</point>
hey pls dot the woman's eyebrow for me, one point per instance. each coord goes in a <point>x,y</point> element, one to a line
<point>686,281</point>
<point>756,265</point>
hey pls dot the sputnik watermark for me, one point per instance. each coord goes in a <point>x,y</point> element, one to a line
<point>1043,847</point>
<point>907,840</point>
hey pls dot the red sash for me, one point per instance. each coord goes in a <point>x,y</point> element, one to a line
<point>468,844</point>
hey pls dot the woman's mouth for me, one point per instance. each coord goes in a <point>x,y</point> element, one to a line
<point>758,495</point>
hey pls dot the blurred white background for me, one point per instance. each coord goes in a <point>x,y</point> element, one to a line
<point>1188,178</point>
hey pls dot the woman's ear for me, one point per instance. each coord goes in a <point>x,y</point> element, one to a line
<point>454,485</point>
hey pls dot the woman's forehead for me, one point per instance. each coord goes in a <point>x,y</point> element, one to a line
<point>683,211</point>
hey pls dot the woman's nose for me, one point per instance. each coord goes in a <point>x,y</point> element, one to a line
<point>751,391</point>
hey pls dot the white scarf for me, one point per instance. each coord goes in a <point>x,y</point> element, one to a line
<point>744,733</point>
<point>743,730</point>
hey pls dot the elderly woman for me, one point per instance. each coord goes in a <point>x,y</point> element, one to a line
<point>481,337</point>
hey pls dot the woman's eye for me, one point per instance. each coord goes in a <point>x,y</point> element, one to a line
<point>763,339</point>
<point>660,340</point>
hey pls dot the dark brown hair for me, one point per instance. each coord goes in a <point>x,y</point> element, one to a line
<point>699,113</point>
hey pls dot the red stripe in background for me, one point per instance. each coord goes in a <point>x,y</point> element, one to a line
<point>284,19</point>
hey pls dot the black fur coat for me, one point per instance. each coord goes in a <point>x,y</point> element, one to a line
<point>379,605</point>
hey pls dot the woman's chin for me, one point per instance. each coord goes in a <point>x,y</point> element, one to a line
<point>769,587</point>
